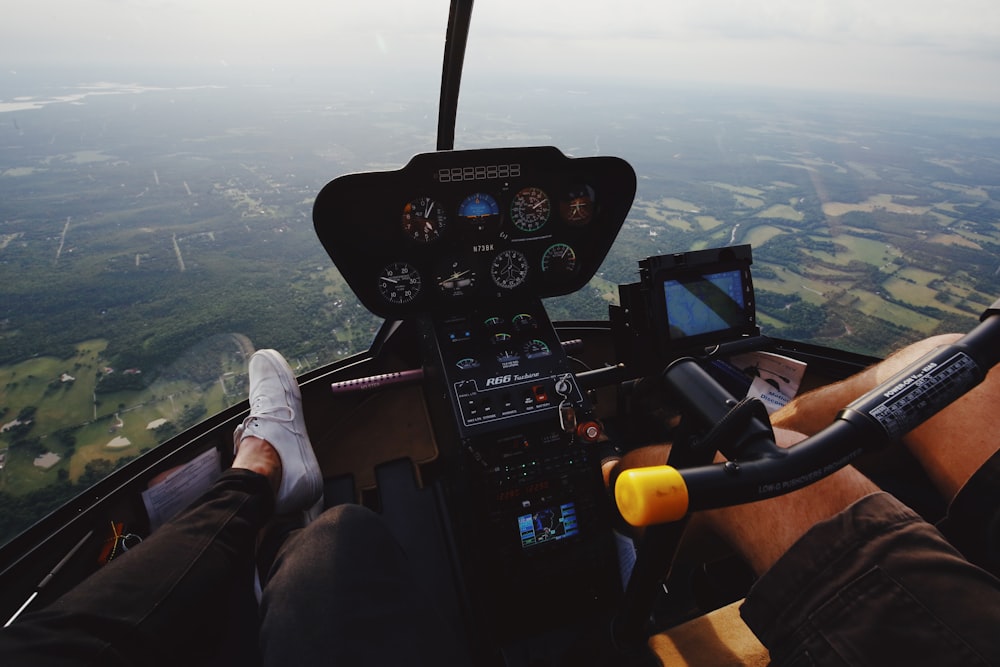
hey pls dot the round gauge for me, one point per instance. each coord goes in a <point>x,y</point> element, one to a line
<point>530,209</point>
<point>523,321</point>
<point>455,279</point>
<point>559,258</point>
<point>509,269</point>
<point>423,219</point>
<point>480,210</point>
<point>467,363</point>
<point>535,348</point>
<point>508,358</point>
<point>501,337</point>
<point>577,207</point>
<point>399,282</point>
<point>492,322</point>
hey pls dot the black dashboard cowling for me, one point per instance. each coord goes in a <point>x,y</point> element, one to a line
<point>455,227</point>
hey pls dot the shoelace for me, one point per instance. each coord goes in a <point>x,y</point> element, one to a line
<point>267,414</point>
<point>270,413</point>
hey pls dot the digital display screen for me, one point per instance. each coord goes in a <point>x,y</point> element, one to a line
<point>702,304</point>
<point>548,524</point>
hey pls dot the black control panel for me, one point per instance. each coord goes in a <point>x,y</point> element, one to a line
<point>467,244</point>
<point>505,366</point>
<point>454,228</point>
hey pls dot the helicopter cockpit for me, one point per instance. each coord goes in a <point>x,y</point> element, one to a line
<point>479,426</point>
<point>464,245</point>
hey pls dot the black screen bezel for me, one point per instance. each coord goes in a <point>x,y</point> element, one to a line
<point>746,324</point>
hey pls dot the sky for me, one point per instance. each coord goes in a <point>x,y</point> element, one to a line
<point>905,47</point>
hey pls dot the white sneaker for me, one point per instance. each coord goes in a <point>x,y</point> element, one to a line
<point>276,416</point>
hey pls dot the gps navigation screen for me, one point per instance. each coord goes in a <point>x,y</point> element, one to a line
<point>704,304</point>
<point>548,524</point>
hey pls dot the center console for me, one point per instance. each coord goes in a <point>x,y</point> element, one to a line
<point>465,245</point>
<point>528,500</point>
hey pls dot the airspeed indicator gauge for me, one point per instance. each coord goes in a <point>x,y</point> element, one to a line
<point>399,283</point>
<point>509,269</point>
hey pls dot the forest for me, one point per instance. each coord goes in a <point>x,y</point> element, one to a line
<point>158,235</point>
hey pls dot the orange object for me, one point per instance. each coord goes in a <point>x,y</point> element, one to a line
<point>646,496</point>
<point>589,431</point>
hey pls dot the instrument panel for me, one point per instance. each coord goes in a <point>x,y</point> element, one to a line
<point>453,228</point>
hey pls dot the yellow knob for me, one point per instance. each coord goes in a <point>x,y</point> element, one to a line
<point>647,496</point>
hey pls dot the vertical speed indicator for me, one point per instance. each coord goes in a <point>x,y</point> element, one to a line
<point>399,283</point>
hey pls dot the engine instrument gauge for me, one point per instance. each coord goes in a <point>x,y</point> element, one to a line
<point>467,363</point>
<point>577,206</point>
<point>423,219</point>
<point>480,210</point>
<point>455,278</point>
<point>559,259</point>
<point>530,209</point>
<point>524,322</point>
<point>535,348</point>
<point>509,269</point>
<point>399,282</point>
<point>508,358</point>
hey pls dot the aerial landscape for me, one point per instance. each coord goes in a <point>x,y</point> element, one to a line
<point>153,235</point>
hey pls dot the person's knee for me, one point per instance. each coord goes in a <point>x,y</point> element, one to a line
<point>349,523</point>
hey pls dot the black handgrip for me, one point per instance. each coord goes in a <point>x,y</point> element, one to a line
<point>872,421</point>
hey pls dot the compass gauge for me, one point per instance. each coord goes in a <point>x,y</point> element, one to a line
<point>509,269</point>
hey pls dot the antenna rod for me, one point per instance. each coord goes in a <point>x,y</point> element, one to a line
<point>451,74</point>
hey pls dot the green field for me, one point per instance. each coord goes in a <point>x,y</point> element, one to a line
<point>110,426</point>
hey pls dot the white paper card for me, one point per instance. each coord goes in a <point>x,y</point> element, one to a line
<point>169,495</point>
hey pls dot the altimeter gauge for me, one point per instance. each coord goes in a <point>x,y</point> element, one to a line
<point>530,209</point>
<point>423,219</point>
<point>399,282</point>
<point>509,269</point>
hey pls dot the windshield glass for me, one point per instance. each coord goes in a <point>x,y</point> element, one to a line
<point>854,146</point>
<point>160,159</point>
<point>158,166</point>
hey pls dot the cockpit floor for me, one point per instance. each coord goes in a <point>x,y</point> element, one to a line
<point>390,424</point>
